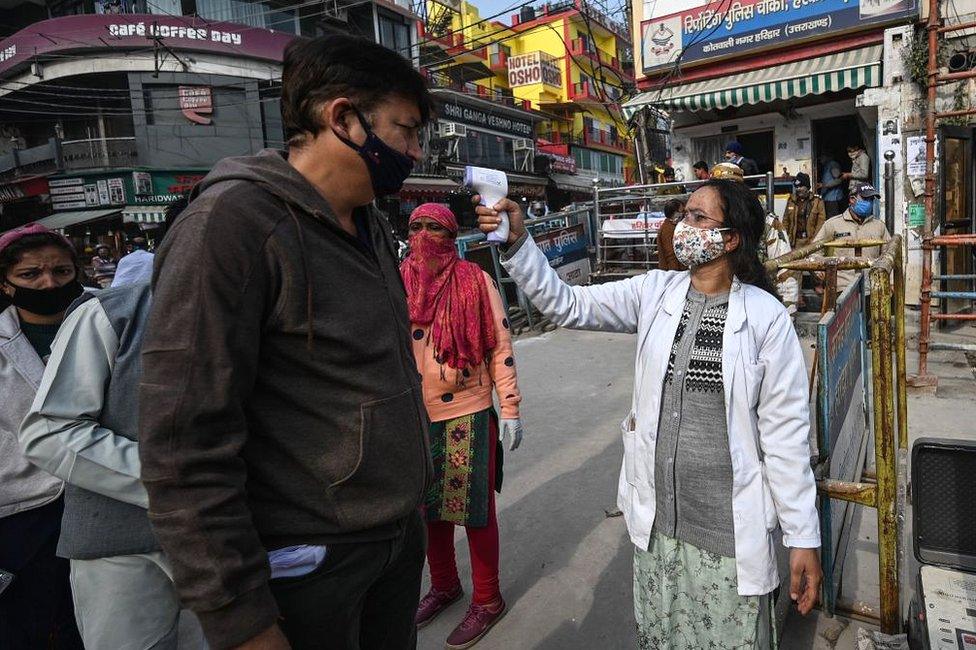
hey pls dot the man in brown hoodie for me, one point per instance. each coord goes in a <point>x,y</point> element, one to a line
<point>282,425</point>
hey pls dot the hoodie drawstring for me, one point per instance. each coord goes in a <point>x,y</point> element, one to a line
<point>309,311</point>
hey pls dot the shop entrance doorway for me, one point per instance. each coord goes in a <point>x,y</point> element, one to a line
<point>831,137</point>
<point>957,213</point>
<point>757,145</point>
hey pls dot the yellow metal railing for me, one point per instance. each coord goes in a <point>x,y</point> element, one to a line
<point>889,398</point>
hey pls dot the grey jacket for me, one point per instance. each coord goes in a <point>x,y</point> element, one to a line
<point>83,423</point>
<point>22,485</point>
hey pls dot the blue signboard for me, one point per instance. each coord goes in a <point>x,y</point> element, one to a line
<point>842,425</point>
<point>722,28</point>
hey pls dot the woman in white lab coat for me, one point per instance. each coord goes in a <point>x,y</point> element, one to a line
<point>716,451</point>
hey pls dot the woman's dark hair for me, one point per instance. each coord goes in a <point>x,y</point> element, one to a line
<point>337,65</point>
<point>12,254</point>
<point>745,216</point>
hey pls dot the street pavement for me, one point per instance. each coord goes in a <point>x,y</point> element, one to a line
<point>565,564</point>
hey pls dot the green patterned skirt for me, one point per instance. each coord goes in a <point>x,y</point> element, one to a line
<point>464,473</point>
<point>687,598</point>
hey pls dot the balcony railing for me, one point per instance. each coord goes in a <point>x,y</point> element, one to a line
<point>585,139</point>
<point>69,155</point>
<point>584,47</point>
<point>583,90</point>
<point>498,61</point>
<point>497,95</point>
<point>99,152</point>
<point>448,40</point>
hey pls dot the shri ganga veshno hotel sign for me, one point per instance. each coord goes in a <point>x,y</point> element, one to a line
<point>721,28</point>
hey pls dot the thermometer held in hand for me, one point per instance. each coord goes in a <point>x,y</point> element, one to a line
<point>492,186</point>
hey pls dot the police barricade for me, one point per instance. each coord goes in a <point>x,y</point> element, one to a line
<point>627,220</point>
<point>844,379</point>
<point>567,240</point>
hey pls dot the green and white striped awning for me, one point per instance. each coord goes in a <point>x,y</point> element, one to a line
<point>852,69</point>
<point>144,214</point>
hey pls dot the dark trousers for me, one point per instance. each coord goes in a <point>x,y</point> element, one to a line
<point>363,596</point>
<point>36,611</point>
<point>833,208</point>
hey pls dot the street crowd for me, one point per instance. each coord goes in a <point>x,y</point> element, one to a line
<point>256,437</point>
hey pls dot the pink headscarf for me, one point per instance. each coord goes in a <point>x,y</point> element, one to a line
<point>448,293</point>
<point>9,237</point>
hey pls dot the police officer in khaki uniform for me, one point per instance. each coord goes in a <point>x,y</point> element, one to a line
<point>805,212</point>
<point>858,222</point>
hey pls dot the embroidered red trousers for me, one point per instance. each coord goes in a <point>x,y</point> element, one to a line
<point>482,544</point>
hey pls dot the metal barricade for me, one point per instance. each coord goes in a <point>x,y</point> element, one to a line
<point>927,315</point>
<point>889,405</point>
<point>626,221</point>
<point>522,312</point>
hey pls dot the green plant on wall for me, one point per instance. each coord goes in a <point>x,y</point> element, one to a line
<point>916,57</point>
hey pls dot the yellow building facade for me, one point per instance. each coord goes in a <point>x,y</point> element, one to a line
<point>566,61</point>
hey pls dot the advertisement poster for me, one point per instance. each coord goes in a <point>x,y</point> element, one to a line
<point>916,155</point>
<point>102,192</point>
<point>116,191</point>
<point>142,181</point>
<point>91,195</point>
<point>723,28</point>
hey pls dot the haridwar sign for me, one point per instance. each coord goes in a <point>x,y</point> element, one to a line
<point>98,33</point>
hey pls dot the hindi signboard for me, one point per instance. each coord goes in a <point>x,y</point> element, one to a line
<point>842,425</point>
<point>721,28</point>
<point>566,250</point>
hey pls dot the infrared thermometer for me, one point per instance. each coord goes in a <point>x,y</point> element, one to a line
<point>492,186</point>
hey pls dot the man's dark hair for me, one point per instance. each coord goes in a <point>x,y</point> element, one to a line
<point>701,164</point>
<point>673,208</point>
<point>337,65</point>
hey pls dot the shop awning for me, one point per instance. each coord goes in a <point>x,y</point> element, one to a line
<point>154,214</point>
<point>60,220</point>
<point>428,185</point>
<point>844,70</point>
<point>571,183</point>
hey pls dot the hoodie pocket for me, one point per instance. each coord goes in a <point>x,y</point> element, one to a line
<point>389,476</point>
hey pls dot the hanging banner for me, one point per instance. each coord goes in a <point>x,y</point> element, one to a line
<point>722,28</point>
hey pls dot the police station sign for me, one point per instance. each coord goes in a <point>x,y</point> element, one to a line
<point>721,28</point>
<point>533,68</point>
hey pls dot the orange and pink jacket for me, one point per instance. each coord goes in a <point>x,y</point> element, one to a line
<point>450,393</point>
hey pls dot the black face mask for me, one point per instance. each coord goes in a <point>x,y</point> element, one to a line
<point>45,302</point>
<point>388,168</point>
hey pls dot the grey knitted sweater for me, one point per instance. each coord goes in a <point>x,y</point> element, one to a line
<point>693,466</point>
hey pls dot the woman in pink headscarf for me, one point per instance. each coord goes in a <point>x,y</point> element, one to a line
<point>463,349</point>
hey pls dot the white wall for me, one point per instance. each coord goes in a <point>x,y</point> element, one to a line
<point>792,142</point>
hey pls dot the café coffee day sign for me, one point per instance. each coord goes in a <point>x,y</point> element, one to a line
<point>722,28</point>
<point>533,68</point>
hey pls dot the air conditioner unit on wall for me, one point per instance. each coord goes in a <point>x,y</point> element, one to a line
<point>452,130</point>
<point>523,144</point>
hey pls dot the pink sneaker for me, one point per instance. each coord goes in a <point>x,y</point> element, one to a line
<point>476,624</point>
<point>434,603</point>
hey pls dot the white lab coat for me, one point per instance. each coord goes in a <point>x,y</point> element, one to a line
<point>767,412</point>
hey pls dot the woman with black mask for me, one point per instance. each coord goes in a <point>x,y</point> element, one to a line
<point>38,279</point>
